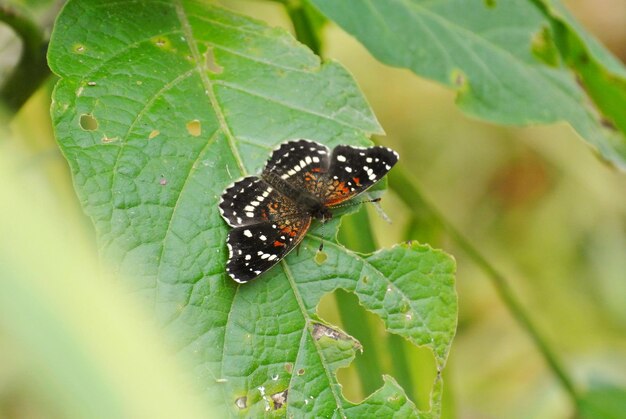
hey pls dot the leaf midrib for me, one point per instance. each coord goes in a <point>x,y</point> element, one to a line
<point>231,142</point>
<point>208,84</point>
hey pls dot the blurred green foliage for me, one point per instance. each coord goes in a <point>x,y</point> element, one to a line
<point>539,205</point>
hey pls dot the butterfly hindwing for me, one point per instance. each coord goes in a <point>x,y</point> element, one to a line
<point>256,248</point>
<point>355,169</point>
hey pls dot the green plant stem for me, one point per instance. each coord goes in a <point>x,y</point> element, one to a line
<point>411,195</point>
<point>357,234</point>
<point>306,31</point>
<point>32,68</point>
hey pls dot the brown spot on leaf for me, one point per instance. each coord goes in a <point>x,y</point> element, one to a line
<point>288,367</point>
<point>194,128</point>
<point>210,62</point>
<point>153,133</point>
<point>606,123</point>
<point>301,371</point>
<point>161,42</point>
<point>459,79</point>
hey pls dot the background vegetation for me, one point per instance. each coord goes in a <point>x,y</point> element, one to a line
<point>530,207</point>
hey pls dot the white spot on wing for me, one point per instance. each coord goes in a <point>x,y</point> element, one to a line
<point>247,233</point>
<point>341,158</point>
<point>348,169</point>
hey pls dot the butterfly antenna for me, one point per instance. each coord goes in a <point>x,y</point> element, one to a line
<point>350,204</point>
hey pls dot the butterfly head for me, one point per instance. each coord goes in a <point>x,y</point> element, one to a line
<point>322,213</point>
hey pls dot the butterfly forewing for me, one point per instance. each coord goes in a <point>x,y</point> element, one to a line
<point>247,202</point>
<point>355,169</point>
<point>301,163</point>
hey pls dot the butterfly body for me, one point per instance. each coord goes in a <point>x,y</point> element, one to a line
<point>302,180</point>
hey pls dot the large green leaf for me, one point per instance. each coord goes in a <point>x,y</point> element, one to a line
<point>503,60</point>
<point>159,107</point>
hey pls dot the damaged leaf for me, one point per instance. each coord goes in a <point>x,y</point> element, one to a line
<point>188,122</point>
<point>520,60</point>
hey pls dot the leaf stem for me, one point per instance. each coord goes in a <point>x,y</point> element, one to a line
<point>356,233</point>
<point>32,68</point>
<point>411,195</point>
<point>306,31</point>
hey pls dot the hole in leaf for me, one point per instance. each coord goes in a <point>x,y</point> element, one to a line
<point>79,48</point>
<point>320,257</point>
<point>383,353</point>
<point>194,128</point>
<point>279,399</point>
<point>88,122</point>
<point>210,62</point>
<point>241,402</point>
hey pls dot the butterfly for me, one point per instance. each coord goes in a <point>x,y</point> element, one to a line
<point>302,180</point>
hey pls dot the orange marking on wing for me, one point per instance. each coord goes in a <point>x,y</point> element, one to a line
<point>356,181</point>
<point>289,231</point>
<point>278,244</point>
<point>339,195</point>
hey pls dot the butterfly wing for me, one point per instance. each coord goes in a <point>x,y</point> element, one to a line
<point>267,226</point>
<point>355,169</point>
<point>246,202</point>
<point>256,248</point>
<point>301,163</point>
